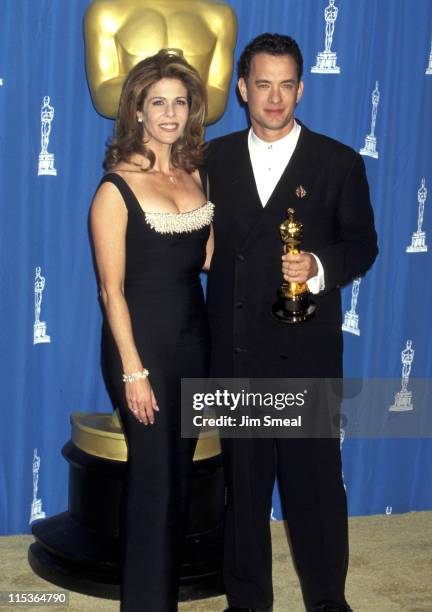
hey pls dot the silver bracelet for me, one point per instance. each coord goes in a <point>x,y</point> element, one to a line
<point>135,376</point>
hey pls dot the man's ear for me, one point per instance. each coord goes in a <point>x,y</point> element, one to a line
<point>241,84</point>
<point>299,92</point>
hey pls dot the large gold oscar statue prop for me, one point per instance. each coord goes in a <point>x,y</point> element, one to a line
<point>78,549</point>
<point>120,33</point>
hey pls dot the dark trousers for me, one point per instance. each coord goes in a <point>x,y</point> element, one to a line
<point>314,504</point>
<point>154,513</point>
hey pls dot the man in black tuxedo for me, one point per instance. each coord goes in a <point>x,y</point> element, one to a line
<point>255,175</point>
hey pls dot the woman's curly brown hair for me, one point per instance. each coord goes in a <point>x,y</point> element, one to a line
<point>188,151</point>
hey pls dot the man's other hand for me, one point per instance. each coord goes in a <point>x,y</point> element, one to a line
<point>299,268</point>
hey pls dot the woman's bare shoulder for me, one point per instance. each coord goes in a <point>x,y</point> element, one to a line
<point>108,197</point>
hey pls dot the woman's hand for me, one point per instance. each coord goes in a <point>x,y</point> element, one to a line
<point>141,400</point>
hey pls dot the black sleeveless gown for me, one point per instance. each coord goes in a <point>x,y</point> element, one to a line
<point>165,253</point>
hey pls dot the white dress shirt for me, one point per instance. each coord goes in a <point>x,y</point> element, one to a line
<point>269,160</point>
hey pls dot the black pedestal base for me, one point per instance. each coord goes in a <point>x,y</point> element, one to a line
<point>79,549</point>
<point>101,579</point>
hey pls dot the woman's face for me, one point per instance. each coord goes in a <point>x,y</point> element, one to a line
<point>165,112</point>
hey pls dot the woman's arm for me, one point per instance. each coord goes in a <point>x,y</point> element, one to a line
<point>108,219</point>
<point>209,250</point>
<point>210,242</point>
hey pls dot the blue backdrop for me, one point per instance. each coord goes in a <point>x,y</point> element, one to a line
<point>51,165</point>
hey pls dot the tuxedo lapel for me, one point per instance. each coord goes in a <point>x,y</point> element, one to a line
<point>293,177</point>
<point>247,207</point>
<point>294,188</point>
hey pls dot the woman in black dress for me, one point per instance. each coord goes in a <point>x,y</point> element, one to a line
<point>151,227</point>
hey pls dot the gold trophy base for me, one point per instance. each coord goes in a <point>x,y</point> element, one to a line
<point>295,309</point>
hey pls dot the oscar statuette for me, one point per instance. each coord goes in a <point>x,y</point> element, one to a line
<point>294,304</point>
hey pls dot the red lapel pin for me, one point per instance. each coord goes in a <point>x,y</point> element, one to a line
<point>300,191</point>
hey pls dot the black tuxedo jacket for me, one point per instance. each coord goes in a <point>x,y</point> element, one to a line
<point>246,272</point>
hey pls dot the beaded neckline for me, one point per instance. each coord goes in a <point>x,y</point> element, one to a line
<point>180,222</point>
<point>173,222</point>
<point>178,212</point>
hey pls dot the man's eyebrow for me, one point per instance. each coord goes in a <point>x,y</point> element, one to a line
<point>290,81</point>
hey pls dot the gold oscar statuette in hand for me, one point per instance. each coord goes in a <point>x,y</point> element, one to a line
<point>294,304</point>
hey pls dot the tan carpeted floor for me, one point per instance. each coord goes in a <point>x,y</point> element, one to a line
<point>390,570</point>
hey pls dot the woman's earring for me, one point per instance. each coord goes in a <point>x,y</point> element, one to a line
<point>140,120</point>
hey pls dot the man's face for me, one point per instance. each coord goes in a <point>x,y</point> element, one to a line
<point>272,91</point>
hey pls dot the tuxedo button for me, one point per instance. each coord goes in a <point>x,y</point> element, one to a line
<point>240,257</point>
<point>239,305</point>
<point>238,350</point>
